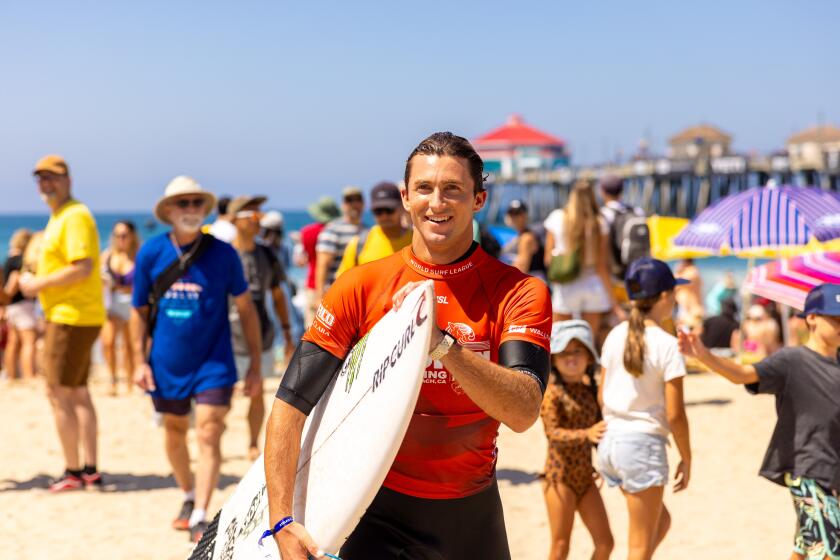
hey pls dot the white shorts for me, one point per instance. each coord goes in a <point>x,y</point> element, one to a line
<point>243,361</point>
<point>585,294</point>
<point>120,306</point>
<point>633,460</point>
<point>22,315</point>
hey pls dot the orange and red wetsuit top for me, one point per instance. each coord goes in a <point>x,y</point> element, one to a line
<point>449,450</point>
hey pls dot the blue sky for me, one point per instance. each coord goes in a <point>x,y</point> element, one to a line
<point>297,99</point>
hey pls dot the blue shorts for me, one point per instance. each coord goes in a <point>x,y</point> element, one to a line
<point>635,461</point>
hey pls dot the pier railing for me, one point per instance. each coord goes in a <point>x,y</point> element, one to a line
<point>667,187</point>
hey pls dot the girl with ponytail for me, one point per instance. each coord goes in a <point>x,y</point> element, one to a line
<point>642,400</point>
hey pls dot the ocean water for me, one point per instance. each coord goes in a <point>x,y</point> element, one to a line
<point>712,269</point>
<point>147,227</point>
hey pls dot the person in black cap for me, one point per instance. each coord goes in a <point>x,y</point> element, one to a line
<point>804,451</point>
<point>642,394</point>
<point>525,251</point>
<point>385,238</point>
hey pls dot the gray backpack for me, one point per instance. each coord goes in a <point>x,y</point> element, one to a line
<point>630,239</point>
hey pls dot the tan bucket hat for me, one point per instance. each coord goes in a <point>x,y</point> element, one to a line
<point>180,186</point>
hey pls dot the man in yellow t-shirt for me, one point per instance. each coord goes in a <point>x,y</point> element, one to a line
<point>69,287</point>
<point>385,238</point>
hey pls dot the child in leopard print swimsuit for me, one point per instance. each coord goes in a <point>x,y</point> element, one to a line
<point>572,419</point>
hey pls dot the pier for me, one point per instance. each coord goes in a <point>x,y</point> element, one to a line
<point>698,170</point>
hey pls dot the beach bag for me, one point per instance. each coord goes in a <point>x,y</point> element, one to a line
<point>630,238</point>
<point>565,268</point>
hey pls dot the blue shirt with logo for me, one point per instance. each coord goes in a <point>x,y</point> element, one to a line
<point>191,343</point>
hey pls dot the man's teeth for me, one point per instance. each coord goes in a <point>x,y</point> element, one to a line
<point>438,220</point>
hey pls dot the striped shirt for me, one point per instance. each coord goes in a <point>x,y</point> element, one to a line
<point>333,239</point>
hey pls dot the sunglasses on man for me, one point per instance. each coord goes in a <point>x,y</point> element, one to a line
<point>184,203</point>
<point>47,176</point>
<point>383,211</point>
<point>353,198</point>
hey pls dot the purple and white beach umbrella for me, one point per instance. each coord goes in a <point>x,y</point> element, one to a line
<point>764,218</point>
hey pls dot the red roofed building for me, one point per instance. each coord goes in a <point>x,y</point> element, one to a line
<point>516,147</point>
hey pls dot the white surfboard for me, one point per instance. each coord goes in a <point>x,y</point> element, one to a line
<point>349,441</point>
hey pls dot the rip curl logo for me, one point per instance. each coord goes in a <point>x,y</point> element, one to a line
<point>390,360</point>
<point>421,316</point>
<point>517,328</point>
<point>352,366</point>
<point>462,332</point>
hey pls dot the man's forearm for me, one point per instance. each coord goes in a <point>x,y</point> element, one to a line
<point>251,329</point>
<point>281,307</point>
<point>282,449</point>
<point>137,333</point>
<point>510,396</point>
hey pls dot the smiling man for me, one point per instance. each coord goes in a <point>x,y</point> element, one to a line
<point>440,498</point>
<point>70,290</point>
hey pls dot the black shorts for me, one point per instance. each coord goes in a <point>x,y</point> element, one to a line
<point>401,527</point>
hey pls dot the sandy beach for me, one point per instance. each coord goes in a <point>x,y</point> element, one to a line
<point>728,511</point>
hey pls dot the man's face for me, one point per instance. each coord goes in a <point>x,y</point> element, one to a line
<point>187,212</point>
<point>517,219</point>
<point>826,328</point>
<point>52,186</point>
<point>247,221</point>
<point>352,206</point>
<point>440,199</point>
<point>387,218</point>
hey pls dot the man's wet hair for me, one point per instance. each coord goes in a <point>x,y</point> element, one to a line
<point>447,144</point>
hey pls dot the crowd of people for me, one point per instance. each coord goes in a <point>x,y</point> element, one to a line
<point>584,329</point>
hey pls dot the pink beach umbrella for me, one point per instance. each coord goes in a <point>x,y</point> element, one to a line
<point>788,281</point>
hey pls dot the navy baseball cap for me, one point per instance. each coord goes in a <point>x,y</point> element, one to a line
<point>823,300</point>
<point>385,195</point>
<point>647,278</point>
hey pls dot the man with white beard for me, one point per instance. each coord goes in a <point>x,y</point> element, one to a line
<point>182,283</point>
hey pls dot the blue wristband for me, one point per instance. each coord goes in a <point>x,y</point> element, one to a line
<point>277,528</point>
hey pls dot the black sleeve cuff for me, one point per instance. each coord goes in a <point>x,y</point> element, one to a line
<point>536,377</point>
<point>526,357</point>
<point>290,397</point>
<point>309,373</point>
